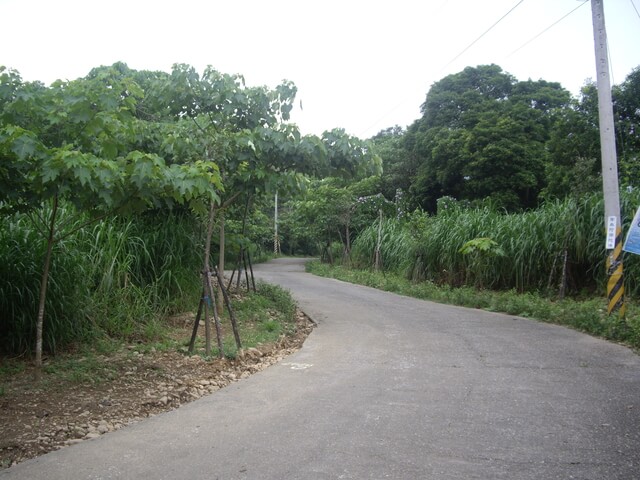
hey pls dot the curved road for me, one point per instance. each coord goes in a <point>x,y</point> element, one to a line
<point>392,387</point>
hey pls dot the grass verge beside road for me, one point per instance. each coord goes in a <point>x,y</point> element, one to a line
<point>589,316</point>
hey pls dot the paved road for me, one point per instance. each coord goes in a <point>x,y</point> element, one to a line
<point>392,387</point>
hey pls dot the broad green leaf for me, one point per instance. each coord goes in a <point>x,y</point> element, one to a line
<point>24,145</point>
<point>82,174</point>
<point>109,149</point>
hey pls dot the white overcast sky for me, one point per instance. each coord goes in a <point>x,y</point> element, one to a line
<point>359,65</point>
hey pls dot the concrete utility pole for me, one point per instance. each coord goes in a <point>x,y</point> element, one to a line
<point>276,237</point>
<point>613,222</point>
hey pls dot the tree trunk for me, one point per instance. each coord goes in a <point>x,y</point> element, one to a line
<point>329,254</point>
<point>207,320</point>
<point>221,264</point>
<point>253,278</point>
<point>205,275</point>
<point>216,317</point>
<point>196,324</point>
<point>347,252</point>
<point>563,281</point>
<point>377,261</point>
<point>243,251</point>
<point>246,271</point>
<point>43,288</point>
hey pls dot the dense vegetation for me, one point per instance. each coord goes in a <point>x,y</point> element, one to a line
<point>112,185</point>
<point>553,249</point>
<point>485,136</point>
<point>496,186</point>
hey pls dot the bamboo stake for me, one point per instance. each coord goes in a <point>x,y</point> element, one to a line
<point>196,324</point>
<point>227,300</point>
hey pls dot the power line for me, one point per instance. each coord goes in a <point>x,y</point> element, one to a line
<point>483,34</point>
<point>440,7</point>
<point>547,29</point>
<point>388,112</point>
<point>455,58</point>
<point>634,7</point>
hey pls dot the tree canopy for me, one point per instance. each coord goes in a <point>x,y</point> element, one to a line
<point>484,135</point>
<point>124,141</point>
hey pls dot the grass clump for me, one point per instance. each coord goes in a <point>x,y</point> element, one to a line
<point>558,247</point>
<point>117,277</point>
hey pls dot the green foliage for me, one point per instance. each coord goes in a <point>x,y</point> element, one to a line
<point>483,134</point>
<point>348,156</point>
<point>481,246</point>
<point>104,144</point>
<point>626,98</point>
<point>21,258</point>
<point>533,243</point>
<point>332,210</point>
<point>486,247</point>
<point>280,298</point>
<point>395,246</point>
<point>574,147</point>
<point>397,165</point>
<point>142,272</point>
<point>480,253</point>
<point>115,277</point>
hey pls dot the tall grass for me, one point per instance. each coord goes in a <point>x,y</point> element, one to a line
<point>534,243</point>
<point>22,250</point>
<point>117,277</point>
<point>143,270</point>
<point>395,241</point>
<point>560,241</point>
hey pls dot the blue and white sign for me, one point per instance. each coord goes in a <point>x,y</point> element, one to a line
<point>632,243</point>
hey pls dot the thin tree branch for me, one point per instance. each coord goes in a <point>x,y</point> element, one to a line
<point>229,201</point>
<point>84,224</point>
<point>38,222</point>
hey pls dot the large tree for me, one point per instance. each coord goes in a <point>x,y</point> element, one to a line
<point>482,135</point>
<point>398,165</point>
<point>626,98</point>
<point>574,166</point>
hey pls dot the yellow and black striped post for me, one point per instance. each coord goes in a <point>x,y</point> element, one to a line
<point>615,284</point>
<point>276,245</point>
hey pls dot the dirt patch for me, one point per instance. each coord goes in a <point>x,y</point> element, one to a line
<point>38,418</point>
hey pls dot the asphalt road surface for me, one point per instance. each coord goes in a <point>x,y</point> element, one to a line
<point>391,387</point>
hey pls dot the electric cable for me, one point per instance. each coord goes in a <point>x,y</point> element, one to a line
<point>546,29</point>
<point>457,56</point>
<point>634,7</point>
<point>483,34</point>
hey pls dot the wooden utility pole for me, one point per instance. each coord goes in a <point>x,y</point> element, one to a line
<point>613,222</point>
